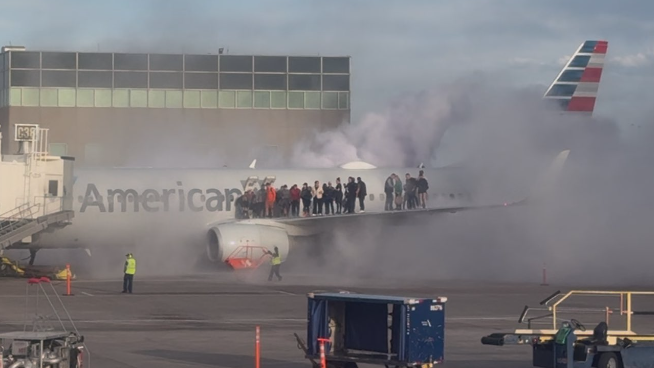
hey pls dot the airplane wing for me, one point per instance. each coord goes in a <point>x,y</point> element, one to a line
<point>540,189</point>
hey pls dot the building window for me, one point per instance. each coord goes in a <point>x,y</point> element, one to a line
<point>95,79</point>
<point>53,188</point>
<point>131,61</point>
<point>166,62</point>
<point>201,80</point>
<point>304,65</point>
<point>262,99</point>
<point>278,100</point>
<point>270,81</point>
<point>233,63</point>
<point>330,100</point>
<point>227,99</point>
<point>304,82</point>
<point>26,60</point>
<point>235,81</point>
<point>95,61</point>
<point>166,80</point>
<point>201,63</point>
<point>296,100</point>
<point>191,99</point>
<point>336,82</point>
<point>274,64</point>
<point>244,99</point>
<point>312,100</point>
<point>26,78</point>
<point>59,78</point>
<point>130,80</point>
<point>335,65</point>
<point>58,60</point>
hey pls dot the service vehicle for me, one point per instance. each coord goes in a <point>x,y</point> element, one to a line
<point>571,345</point>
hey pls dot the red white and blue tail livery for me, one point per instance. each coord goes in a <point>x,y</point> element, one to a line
<point>575,88</point>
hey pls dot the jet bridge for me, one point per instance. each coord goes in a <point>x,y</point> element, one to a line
<point>35,190</point>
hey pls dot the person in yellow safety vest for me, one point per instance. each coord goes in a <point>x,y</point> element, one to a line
<point>275,262</point>
<point>130,270</point>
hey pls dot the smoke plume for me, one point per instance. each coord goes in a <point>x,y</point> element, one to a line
<point>593,227</point>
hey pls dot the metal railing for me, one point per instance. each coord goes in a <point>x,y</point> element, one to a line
<point>15,218</point>
<point>553,305</point>
<point>49,204</point>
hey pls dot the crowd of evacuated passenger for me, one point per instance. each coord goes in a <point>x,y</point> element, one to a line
<point>270,202</point>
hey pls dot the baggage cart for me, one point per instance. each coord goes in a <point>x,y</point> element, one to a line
<point>374,329</point>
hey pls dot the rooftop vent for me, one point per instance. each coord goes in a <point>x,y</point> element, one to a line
<point>13,48</point>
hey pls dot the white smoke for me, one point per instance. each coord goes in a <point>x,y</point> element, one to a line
<point>406,133</point>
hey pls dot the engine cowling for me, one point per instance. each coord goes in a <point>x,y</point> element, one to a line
<point>226,239</point>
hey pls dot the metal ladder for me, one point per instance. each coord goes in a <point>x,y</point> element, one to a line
<point>15,221</point>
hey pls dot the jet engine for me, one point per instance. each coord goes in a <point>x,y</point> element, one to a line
<point>225,240</point>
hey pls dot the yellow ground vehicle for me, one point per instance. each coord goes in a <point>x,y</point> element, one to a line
<point>9,268</point>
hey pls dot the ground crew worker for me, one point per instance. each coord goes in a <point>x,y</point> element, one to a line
<point>130,270</point>
<point>275,263</point>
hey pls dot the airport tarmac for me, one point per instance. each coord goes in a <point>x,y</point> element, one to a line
<point>209,320</point>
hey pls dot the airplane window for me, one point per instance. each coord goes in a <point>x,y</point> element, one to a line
<point>451,196</point>
<point>372,197</point>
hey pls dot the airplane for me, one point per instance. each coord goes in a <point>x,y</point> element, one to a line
<point>197,205</point>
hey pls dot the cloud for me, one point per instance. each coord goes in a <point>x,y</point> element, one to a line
<point>636,60</point>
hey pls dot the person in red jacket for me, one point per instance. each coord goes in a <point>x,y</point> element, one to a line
<point>271,195</point>
<point>295,201</point>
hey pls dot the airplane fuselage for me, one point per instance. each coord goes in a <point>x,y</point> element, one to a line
<point>117,203</point>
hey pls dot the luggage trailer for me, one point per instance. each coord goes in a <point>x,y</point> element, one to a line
<point>571,345</point>
<point>374,329</point>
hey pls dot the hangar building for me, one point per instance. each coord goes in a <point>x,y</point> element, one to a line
<point>129,109</point>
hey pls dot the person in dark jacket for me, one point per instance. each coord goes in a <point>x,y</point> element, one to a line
<point>306,199</point>
<point>423,186</point>
<point>351,195</point>
<point>260,200</point>
<point>398,192</point>
<point>329,192</point>
<point>295,200</point>
<point>338,196</point>
<point>389,190</point>
<point>410,190</point>
<point>361,194</point>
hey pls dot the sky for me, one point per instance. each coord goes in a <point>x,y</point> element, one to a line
<point>397,47</point>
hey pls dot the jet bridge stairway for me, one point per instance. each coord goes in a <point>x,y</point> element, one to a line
<point>23,222</point>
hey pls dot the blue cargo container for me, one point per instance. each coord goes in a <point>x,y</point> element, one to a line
<point>375,329</point>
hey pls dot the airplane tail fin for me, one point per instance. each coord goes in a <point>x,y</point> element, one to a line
<point>576,86</point>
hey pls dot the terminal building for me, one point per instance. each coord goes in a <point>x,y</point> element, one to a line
<point>128,109</point>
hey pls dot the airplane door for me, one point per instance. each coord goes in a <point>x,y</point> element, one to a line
<point>250,183</point>
<point>269,179</point>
